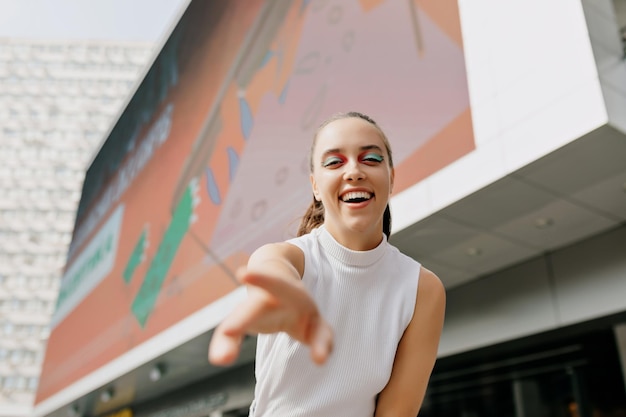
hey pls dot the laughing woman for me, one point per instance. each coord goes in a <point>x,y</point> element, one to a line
<point>347,325</point>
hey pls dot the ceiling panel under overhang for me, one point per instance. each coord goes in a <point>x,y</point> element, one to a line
<point>567,196</point>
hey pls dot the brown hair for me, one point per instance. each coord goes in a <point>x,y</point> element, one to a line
<point>314,215</point>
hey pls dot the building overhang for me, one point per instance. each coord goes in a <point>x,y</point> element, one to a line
<point>570,194</point>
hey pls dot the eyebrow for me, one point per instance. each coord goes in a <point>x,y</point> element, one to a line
<point>362,148</point>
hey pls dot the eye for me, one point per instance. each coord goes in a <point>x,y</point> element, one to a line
<point>372,158</point>
<point>332,161</point>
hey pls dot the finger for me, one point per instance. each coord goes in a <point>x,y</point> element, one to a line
<point>226,340</point>
<point>224,348</point>
<point>321,345</point>
<point>240,273</point>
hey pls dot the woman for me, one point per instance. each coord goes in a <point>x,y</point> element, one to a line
<point>369,317</point>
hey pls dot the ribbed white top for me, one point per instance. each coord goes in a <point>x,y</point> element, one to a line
<point>368,298</point>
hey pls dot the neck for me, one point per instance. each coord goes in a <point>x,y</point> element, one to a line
<point>356,240</point>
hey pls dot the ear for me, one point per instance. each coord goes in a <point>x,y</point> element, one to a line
<point>391,177</point>
<point>314,188</point>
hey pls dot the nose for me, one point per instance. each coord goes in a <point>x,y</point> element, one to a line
<point>353,171</point>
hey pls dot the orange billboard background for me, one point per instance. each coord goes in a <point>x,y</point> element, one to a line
<point>252,80</point>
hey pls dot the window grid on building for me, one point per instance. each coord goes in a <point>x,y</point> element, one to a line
<point>57,101</point>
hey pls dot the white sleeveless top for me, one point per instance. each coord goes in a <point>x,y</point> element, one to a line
<point>368,298</point>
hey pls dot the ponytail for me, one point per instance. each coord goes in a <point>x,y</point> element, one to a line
<point>314,217</point>
<point>387,222</point>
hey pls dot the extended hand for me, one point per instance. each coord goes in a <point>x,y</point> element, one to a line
<point>273,305</point>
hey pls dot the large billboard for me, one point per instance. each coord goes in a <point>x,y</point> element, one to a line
<point>210,158</point>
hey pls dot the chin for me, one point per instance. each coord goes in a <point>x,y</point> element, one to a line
<point>362,226</point>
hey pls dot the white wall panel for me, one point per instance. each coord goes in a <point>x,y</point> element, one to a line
<point>616,106</point>
<point>590,278</point>
<point>602,26</point>
<point>511,304</point>
<point>567,118</point>
<point>471,172</point>
<point>609,56</point>
<point>533,86</point>
<point>589,282</point>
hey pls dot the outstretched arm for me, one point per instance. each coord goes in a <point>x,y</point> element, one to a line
<point>277,302</point>
<point>417,351</point>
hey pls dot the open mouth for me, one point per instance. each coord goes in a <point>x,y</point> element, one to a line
<point>356,197</point>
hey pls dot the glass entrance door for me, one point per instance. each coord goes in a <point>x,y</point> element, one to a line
<point>531,393</point>
<point>557,376</point>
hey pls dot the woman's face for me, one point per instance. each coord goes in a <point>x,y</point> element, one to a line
<point>351,176</point>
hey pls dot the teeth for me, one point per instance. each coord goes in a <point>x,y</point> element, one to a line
<point>356,194</point>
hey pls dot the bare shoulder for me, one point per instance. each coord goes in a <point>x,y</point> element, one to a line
<point>430,303</point>
<point>430,284</point>
<point>431,294</point>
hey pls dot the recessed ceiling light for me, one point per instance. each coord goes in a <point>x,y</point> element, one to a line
<point>157,372</point>
<point>543,222</point>
<point>473,251</point>
<point>107,395</point>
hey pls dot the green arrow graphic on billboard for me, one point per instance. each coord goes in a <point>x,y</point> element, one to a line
<point>137,256</point>
<point>143,304</point>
